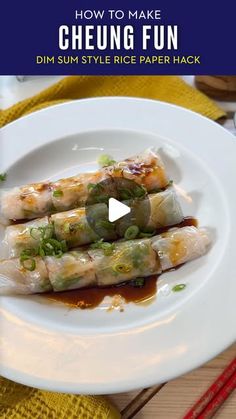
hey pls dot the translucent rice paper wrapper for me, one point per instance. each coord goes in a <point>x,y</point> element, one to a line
<point>156,211</point>
<point>75,190</point>
<point>84,268</point>
<point>83,226</point>
<point>165,209</point>
<point>26,202</point>
<point>129,260</point>
<point>15,279</point>
<point>73,270</point>
<point>20,237</point>
<point>44,198</point>
<point>147,168</point>
<point>180,245</point>
<point>73,226</point>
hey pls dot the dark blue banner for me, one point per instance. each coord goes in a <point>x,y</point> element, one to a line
<point>122,37</point>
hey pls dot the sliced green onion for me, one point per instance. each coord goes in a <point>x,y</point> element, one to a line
<point>144,234</point>
<point>47,231</point>
<point>139,191</point>
<point>57,193</point>
<point>105,160</point>
<point>170,183</point>
<point>97,244</point>
<point>28,263</point>
<point>35,233</point>
<point>58,254</point>
<point>102,199</point>
<point>64,247</point>
<point>66,227</point>
<point>131,233</point>
<point>52,247</point>
<point>107,248</point>
<point>125,193</point>
<point>104,224</point>
<point>95,187</point>
<point>44,232</point>
<point>91,186</point>
<point>138,282</point>
<point>106,245</point>
<point>122,268</point>
<point>55,244</point>
<point>48,246</point>
<point>3,177</point>
<point>178,287</point>
<point>28,252</point>
<point>41,251</point>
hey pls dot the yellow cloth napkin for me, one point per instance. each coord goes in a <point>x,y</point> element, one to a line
<point>170,89</point>
<point>22,402</point>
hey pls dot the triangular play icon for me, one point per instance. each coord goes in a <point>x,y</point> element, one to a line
<point>116,209</point>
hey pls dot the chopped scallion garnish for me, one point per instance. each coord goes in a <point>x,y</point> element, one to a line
<point>104,224</point>
<point>95,187</point>
<point>3,177</point>
<point>28,263</point>
<point>138,282</point>
<point>148,233</point>
<point>105,160</point>
<point>108,248</point>
<point>64,247</point>
<point>105,246</point>
<point>26,253</point>
<point>42,232</point>
<point>125,193</point>
<point>97,244</point>
<point>102,199</point>
<point>139,191</point>
<point>47,245</point>
<point>57,193</point>
<point>66,227</point>
<point>131,233</point>
<point>178,287</point>
<point>122,268</point>
<point>35,233</point>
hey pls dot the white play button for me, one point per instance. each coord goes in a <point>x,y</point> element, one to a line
<point>116,209</point>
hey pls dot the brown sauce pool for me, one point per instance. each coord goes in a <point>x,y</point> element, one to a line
<point>91,297</point>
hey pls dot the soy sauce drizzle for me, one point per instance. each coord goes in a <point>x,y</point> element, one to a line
<point>92,297</point>
<point>88,298</point>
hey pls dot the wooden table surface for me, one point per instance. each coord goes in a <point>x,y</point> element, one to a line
<point>174,399</point>
<point>177,396</point>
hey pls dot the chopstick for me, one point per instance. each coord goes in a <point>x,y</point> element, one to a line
<point>140,401</point>
<point>215,395</point>
<point>219,399</point>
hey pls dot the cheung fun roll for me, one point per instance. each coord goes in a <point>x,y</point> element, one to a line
<point>126,260</point>
<point>44,198</point>
<point>163,210</point>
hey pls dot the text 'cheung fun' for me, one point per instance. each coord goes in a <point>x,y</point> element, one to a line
<point>117,37</point>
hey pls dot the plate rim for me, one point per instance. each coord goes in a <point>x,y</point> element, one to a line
<point>106,388</point>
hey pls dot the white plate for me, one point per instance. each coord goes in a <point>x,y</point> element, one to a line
<point>94,351</point>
